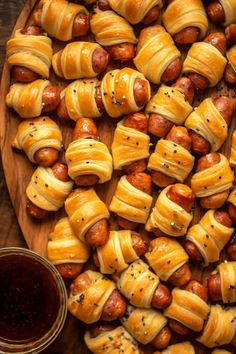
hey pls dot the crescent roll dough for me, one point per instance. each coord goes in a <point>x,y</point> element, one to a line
<point>170,103</point>
<point>87,305</point>
<point>143,324</point>
<point>128,145</point>
<point>56,17</point>
<point>178,17</point>
<point>188,309</point>
<point>227,272</point>
<point>89,156</point>
<point>138,284</point>
<point>166,256</point>
<point>209,236</point>
<point>84,210</point>
<point>220,327</point>
<point>46,191</point>
<point>171,159</point>
<point>169,217</point>
<point>130,202</point>
<point>80,99</point>
<point>203,58</point>
<point>111,29</point>
<point>74,61</point>
<point>118,91</point>
<point>37,133</point>
<point>155,55</point>
<point>232,159</point>
<point>220,351</point>
<point>113,342</point>
<point>215,179</point>
<point>26,99</point>
<point>207,121</point>
<point>229,7</point>
<point>117,252</point>
<point>64,247</point>
<point>183,348</point>
<point>31,52</point>
<point>232,197</point>
<point>134,11</point>
<point>231,56</point>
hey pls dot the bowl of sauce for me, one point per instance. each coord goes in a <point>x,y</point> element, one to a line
<point>33,301</point>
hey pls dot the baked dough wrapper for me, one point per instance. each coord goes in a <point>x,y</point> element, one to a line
<point>130,203</point>
<point>128,145</point>
<point>209,236</point>
<point>188,309</point>
<point>183,348</point>
<point>134,11</point>
<point>166,256</point>
<point>37,133</point>
<point>155,55</point>
<point>88,305</point>
<point>171,159</point>
<point>168,216</point>
<point>232,197</point>
<point>56,17</point>
<point>170,103</point>
<point>227,272</point>
<point>220,351</point>
<point>220,327</point>
<point>80,99</point>
<point>117,253</point>
<point>112,342</point>
<point>203,58</point>
<point>118,91</point>
<point>143,324</point>
<point>111,29</point>
<point>64,247</point>
<point>46,191</point>
<point>215,179</point>
<point>207,121</point>
<point>26,99</point>
<point>89,156</point>
<point>138,284</point>
<point>178,17</point>
<point>31,52</point>
<point>229,7</point>
<point>75,61</point>
<point>232,159</point>
<point>84,209</point>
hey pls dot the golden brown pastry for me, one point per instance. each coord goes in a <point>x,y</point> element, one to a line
<point>115,341</point>
<point>64,247</point>
<point>227,272</point>
<point>231,56</point>
<point>119,91</point>
<point>229,7</point>
<point>166,256</point>
<point>221,351</point>
<point>35,134</point>
<point>87,156</point>
<point>207,121</point>
<point>134,11</point>
<point>188,309</point>
<point>33,52</point>
<point>209,236</point>
<point>232,158</point>
<point>169,217</point>
<point>183,348</point>
<point>87,305</point>
<point>220,328</point>
<point>128,145</point>
<point>130,203</point>
<point>46,191</point>
<point>143,324</point>
<point>80,99</point>
<point>170,103</point>
<point>27,99</point>
<point>178,17</point>
<point>206,60</point>
<point>84,209</point>
<point>155,54</point>
<point>57,18</point>
<point>214,179</point>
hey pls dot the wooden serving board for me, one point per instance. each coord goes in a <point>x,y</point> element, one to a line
<point>18,170</point>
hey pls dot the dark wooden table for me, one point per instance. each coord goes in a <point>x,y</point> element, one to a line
<point>69,341</point>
